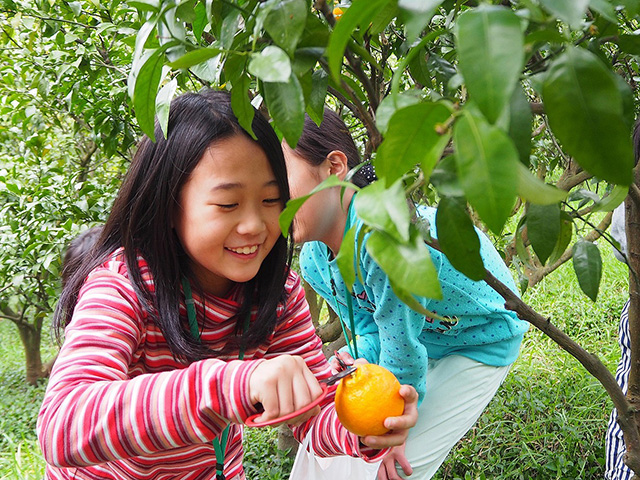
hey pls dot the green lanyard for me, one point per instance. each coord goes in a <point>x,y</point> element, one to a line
<point>352,324</point>
<point>220,446</point>
<point>353,350</point>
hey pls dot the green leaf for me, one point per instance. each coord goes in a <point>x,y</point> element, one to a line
<point>391,104</point>
<point>271,65</point>
<point>408,266</point>
<point>604,8</point>
<point>585,112</point>
<point>520,122</point>
<point>186,11</point>
<point>316,33</point>
<point>241,104</point>
<point>611,201</point>
<point>139,54</point>
<point>564,239</point>
<point>546,34</point>
<point>201,21</point>
<point>408,299</point>
<point>521,249</point>
<point>229,29</point>
<point>543,229</point>
<point>412,138</point>
<point>587,264</point>
<point>286,106</point>
<point>383,18</point>
<point>628,101</point>
<point>145,5</point>
<point>418,68</point>
<point>629,43</point>
<point>346,258</point>
<point>486,161</point>
<point>285,23</point>
<point>145,91</point>
<point>632,6</point>
<point>293,205</point>
<point>569,11</point>
<point>234,67</point>
<point>458,238</point>
<point>534,190</point>
<point>361,12</point>
<point>194,57</point>
<point>315,106</point>
<point>163,101</point>
<point>416,15</point>
<point>445,178</point>
<point>385,209</point>
<point>490,49</point>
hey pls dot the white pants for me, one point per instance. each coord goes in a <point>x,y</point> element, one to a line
<point>458,391</point>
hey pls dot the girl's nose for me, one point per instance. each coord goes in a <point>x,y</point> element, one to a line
<point>252,222</point>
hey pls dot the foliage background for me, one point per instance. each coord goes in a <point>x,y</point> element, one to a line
<point>78,78</point>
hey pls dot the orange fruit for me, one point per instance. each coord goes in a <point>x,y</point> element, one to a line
<point>365,398</point>
<point>337,13</point>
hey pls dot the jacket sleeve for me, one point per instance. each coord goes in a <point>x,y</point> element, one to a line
<point>296,336</point>
<point>96,410</point>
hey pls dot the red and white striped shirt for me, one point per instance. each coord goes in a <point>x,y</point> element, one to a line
<point>118,404</point>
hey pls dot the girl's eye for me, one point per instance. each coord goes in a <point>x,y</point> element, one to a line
<point>272,201</point>
<point>227,206</point>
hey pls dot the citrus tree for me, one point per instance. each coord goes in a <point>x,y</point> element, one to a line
<point>514,115</point>
<point>511,115</point>
<point>65,133</point>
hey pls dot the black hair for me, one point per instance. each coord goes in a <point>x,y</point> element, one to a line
<point>140,221</point>
<point>77,250</point>
<point>317,142</point>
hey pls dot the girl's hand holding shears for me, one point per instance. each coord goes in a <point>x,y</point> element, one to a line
<point>308,410</point>
<point>283,385</point>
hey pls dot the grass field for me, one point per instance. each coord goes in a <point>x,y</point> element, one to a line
<point>547,422</point>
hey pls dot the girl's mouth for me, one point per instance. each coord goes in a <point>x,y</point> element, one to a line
<point>247,250</point>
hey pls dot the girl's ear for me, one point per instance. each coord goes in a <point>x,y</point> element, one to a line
<point>338,164</point>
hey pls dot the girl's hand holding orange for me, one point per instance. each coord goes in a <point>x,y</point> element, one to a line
<point>398,426</point>
<point>372,391</point>
<point>283,385</point>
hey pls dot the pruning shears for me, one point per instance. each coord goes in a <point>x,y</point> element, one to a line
<point>325,383</point>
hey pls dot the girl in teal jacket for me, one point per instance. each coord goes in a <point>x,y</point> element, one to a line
<point>457,364</point>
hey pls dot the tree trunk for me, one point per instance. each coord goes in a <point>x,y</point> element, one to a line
<point>30,336</point>
<point>632,212</point>
<point>286,441</point>
<point>315,304</point>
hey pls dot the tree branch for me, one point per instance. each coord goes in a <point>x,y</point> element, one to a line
<point>591,362</point>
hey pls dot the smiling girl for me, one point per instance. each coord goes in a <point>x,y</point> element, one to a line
<point>185,320</point>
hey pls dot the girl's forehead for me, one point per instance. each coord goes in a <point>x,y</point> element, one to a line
<point>236,160</point>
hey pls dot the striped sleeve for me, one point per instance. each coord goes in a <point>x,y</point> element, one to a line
<point>616,449</point>
<point>95,411</point>
<point>296,335</point>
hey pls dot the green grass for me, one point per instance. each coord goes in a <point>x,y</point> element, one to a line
<point>19,404</point>
<point>549,419</point>
<point>547,422</point>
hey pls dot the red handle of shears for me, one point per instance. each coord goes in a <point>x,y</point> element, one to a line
<point>250,422</point>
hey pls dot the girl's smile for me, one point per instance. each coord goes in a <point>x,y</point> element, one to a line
<point>244,250</point>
